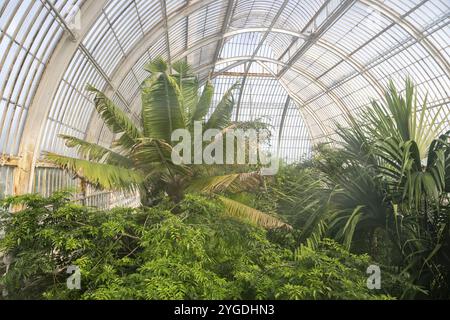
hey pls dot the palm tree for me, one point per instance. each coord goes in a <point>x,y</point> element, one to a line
<point>140,157</point>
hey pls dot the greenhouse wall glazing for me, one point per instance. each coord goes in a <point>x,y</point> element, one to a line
<point>315,61</point>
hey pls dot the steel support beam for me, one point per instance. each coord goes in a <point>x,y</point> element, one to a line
<point>166,28</point>
<point>196,46</point>
<point>235,61</point>
<point>412,30</point>
<point>255,52</point>
<point>112,89</point>
<point>86,52</point>
<point>214,38</point>
<point>301,108</point>
<point>360,68</point>
<point>153,35</point>
<point>414,33</point>
<point>9,161</point>
<point>61,19</point>
<point>305,30</point>
<point>243,59</point>
<point>41,103</point>
<point>338,12</point>
<point>225,25</point>
<point>141,48</point>
<point>299,71</point>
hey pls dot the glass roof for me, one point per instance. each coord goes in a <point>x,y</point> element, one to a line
<point>304,65</point>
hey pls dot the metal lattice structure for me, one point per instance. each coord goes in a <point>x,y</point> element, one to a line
<point>303,65</point>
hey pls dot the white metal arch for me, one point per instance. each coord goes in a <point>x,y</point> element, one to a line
<point>187,10</point>
<point>39,109</point>
<point>91,10</point>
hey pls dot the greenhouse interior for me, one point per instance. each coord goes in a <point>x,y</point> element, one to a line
<point>225,149</point>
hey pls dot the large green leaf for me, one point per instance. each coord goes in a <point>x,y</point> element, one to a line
<point>95,152</point>
<point>403,118</point>
<point>235,182</point>
<point>241,211</point>
<point>162,108</point>
<point>188,84</point>
<point>102,175</point>
<point>153,153</point>
<point>204,103</point>
<point>221,117</point>
<point>116,120</point>
<point>157,65</point>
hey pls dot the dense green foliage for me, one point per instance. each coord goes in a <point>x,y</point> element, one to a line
<point>151,253</point>
<point>384,191</point>
<point>393,176</point>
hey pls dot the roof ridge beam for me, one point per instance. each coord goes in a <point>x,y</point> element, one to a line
<point>38,111</point>
<point>226,22</point>
<point>255,52</point>
<point>412,30</point>
<point>329,21</point>
<point>166,28</point>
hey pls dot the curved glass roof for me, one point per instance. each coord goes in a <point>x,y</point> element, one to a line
<point>303,64</point>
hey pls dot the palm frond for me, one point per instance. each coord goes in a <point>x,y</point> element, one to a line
<point>182,68</point>
<point>101,175</point>
<point>157,65</point>
<point>188,85</point>
<point>204,103</point>
<point>313,241</point>
<point>402,118</point>
<point>116,120</point>
<point>162,108</point>
<point>153,153</point>
<point>221,117</point>
<point>241,211</point>
<point>95,152</point>
<point>233,183</point>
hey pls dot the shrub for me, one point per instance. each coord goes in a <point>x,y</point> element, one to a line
<point>151,253</point>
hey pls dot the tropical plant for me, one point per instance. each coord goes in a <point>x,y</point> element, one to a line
<point>297,193</point>
<point>391,181</point>
<point>151,253</point>
<point>140,157</point>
